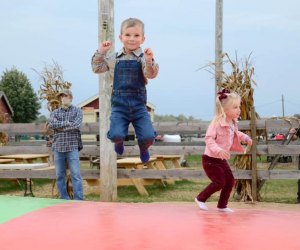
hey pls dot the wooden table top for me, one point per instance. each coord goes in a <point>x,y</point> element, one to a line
<point>6,160</point>
<point>133,161</point>
<point>24,156</point>
<point>23,166</point>
<point>167,157</point>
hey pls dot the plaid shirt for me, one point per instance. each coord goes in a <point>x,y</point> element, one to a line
<point>66,125</point>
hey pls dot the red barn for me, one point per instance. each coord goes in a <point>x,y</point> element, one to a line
<point>6,111</point>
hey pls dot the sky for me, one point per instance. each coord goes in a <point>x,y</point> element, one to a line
<point>182,37</point>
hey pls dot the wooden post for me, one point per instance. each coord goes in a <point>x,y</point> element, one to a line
<point>218,44</point>
<point>108,165</point>
<point>253,154</point>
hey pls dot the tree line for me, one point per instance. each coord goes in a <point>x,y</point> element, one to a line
<point>173,118</point>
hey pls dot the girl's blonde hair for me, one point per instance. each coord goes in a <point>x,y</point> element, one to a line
<point>131,22</point>
<point>224,100</point>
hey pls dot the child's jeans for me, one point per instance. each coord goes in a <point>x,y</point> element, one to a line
<point>130,110</point>
<point>219,172</point>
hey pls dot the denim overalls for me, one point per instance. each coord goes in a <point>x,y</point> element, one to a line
<point>128,102</point>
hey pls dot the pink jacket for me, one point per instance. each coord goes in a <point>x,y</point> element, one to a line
<point>217,138</point>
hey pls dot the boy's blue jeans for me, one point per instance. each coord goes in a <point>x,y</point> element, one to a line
<point>60,159</point>
<point>126,110</point>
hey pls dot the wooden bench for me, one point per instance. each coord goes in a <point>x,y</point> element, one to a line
<point>23,166</point>
<point>26,166</point>
<point>27,158</point>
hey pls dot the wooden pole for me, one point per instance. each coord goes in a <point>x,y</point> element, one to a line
<point>108,165</point>
<point>282,103</point>
<point>253,154</point>
<point>218,44</point>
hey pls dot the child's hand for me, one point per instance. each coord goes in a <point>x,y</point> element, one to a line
<point>104,47</point>
<point>249,141</point>
<point>148,55</point>
<point>224,155</point>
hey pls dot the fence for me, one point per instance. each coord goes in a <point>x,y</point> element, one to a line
<point>184,148</point>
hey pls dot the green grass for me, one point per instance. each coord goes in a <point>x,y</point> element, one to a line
<point>14,185</point>
<point>278,191</point>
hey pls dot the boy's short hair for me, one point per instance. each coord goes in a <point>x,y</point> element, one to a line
<point>131,22</point>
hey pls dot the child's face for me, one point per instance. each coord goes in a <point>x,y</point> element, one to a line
<point>233,110</point>
<point>132,38</point>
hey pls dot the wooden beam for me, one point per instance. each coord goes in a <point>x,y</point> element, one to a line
<point>160,127</point>
<point>107,155</point>
<point>184,173</point>
<point>218,44</point>
<point>253,155</point>
<point>155,149</point>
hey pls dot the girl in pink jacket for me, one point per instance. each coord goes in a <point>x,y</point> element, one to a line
<point>222,136</point>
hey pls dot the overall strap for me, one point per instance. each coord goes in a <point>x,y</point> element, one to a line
<point>139,58</point>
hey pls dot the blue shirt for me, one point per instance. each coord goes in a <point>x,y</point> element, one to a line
<point>66,124</point>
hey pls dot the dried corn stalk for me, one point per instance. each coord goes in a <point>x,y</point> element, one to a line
<point>3,136</point>
<point>3,139</point>
<point>53,83</point>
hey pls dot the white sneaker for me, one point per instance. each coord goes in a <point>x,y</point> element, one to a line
<point>226,209</point>
<point>201,205</point>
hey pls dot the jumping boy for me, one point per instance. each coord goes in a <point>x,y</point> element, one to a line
<point>130,68</point>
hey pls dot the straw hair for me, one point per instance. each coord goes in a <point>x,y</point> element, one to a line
<point>232,99</point>
<point>132,22</point>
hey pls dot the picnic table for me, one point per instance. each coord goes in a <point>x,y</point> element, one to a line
<point>136,163</point>
<point>173,159</point>
<point>162,164</point>
<point>25,162</point>
<point>159,162</point>
<point>133,163</point>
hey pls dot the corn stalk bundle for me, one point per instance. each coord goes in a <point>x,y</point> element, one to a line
<point>240,80</point>
<point>3,139</point>
<point>52,83</point>
<point>3,136</point>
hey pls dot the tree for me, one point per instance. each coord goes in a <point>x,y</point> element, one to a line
<point>21,96</point>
